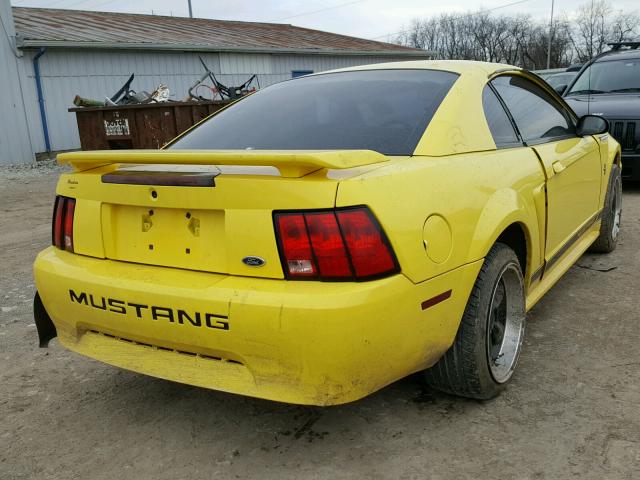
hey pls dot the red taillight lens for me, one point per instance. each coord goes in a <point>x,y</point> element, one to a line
<point>328,245</point>
<point>333,245</point>
<point>296,247</point>
<point>63,213</point>
<point>67,231</point>
<point>369,250</point>
<point>58,215</point>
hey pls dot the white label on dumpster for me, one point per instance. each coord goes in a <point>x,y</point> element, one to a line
<point>117,127</point>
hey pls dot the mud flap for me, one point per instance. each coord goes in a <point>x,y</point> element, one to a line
<point>46,328</point>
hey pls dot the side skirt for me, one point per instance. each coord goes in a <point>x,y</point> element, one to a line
<point>563,260</point>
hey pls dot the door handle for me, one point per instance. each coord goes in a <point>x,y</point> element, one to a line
<point>558,167</point>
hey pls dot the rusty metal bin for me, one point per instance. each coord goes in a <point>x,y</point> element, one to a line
<point>138,126</point>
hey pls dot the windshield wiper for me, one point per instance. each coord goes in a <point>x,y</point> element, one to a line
<point>582,92</point>
<point>619,90</point>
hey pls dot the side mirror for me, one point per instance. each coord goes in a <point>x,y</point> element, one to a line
<point>560,88</point>
<point>591,125</point>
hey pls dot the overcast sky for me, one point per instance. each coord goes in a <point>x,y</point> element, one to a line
<point>375,19</point>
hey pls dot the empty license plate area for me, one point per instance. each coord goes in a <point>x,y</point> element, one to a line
<point>191,239</point>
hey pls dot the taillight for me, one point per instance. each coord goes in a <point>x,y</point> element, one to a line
<point>58,215</point>
<point>343,244</point>
<point>369,249</point>
<point>294,240</point>
<point>63,212</point>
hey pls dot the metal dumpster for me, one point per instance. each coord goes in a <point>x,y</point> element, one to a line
<point>148,125</point>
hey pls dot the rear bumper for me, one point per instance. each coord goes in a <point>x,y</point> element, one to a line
<point>631,167</point>
<point>299,342</point>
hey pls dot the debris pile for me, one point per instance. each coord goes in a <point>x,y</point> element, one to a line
<point>200,91</point>
<point>217,89</point>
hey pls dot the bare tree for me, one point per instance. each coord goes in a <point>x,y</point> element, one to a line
<point>591,29</point>
<point>518,39</point>
<point>482,36</point>
<point>624,27</point>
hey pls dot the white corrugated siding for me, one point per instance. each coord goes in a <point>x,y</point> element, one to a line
<point>96,74</point>
<point>320,63</point>
<point>15,146</point>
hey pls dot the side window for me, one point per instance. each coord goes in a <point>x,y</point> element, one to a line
<point>499,123</point>
<point>537,115</point>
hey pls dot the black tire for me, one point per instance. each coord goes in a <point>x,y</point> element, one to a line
<point>466,368</point>
<point>611,215</point>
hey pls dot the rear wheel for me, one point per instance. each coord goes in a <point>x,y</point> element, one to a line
<point>611,215</point>
<point>484,354</point>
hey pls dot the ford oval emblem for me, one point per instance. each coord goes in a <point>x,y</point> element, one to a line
<point>252,261</point>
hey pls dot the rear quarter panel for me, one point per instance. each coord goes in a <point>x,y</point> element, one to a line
<point>476,197</point>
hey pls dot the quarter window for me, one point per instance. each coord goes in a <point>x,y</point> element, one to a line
<point>499,123</point>
<point>537,115</point>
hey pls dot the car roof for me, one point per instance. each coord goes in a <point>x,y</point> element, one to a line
<point>459,125</point>
<point>631,53</point>
<point>455,66</point>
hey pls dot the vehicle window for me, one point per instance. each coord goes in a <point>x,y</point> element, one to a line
<point>382,110</point>
<point>614,76</point>
<point>560,79</point>
<point>497,119</point>
<point>537,115</point>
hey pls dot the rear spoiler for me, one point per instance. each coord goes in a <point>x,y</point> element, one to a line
<point>290,163</point>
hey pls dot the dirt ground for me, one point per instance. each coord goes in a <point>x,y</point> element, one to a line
<point>572,411</point>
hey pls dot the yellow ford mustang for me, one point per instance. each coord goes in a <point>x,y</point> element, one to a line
<point>331,234</point>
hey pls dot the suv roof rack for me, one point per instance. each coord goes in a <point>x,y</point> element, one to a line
<point>619,45</point>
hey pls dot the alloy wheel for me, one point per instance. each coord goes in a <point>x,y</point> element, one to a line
<point>505,326</point>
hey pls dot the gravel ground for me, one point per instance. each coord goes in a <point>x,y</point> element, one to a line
<point>572,411</point>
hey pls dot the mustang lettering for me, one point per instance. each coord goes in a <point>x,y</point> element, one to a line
<point>153,312</point>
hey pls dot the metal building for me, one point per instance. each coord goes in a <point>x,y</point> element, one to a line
<point>57,54</point>
<point>15,144</point>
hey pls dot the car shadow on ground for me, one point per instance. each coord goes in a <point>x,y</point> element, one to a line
<point>631,187</point>
<point>186,412</point>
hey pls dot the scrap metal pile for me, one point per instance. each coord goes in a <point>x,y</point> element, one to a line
<point>201,90</point>
<point>218,89</point>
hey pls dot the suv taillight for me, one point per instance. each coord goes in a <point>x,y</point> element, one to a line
<point>63,222</point>
<point>343,244</point>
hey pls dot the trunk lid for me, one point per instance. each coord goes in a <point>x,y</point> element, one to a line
<point>202,211</point>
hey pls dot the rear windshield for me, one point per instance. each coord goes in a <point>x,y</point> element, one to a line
<point>382,110</point>
<point>613,76</point>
